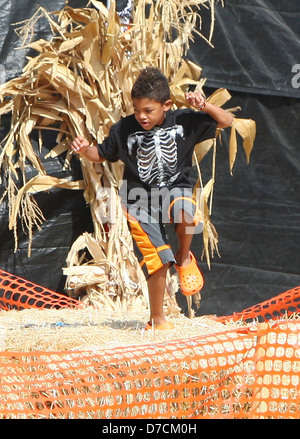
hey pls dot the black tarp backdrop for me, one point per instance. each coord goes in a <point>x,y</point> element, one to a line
<point>256,210</point>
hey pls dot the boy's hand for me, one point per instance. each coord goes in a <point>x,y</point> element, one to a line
<point>80,145</point>
<point>196,99</point>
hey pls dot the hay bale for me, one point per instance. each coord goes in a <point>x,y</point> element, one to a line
<point>88,328</point>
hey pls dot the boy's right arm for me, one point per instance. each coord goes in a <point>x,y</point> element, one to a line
<point>81,146</point>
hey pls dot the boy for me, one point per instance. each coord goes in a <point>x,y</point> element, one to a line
<point>156,145</point>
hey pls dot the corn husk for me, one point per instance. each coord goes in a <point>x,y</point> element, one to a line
<point>79,83</point>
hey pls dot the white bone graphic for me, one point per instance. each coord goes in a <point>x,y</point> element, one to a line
<point>156,154</point>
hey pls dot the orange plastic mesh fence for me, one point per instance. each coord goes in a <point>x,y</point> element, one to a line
<point>249,372</point>
<point>237,374</point>
<point>284,304</point>
<point>18,293</point>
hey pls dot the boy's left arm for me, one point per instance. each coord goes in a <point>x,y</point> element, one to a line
<point>222,117</point>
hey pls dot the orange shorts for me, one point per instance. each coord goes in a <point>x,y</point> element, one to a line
<point>147,221</point>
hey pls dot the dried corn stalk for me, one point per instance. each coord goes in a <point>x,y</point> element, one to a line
<point>79,83</point>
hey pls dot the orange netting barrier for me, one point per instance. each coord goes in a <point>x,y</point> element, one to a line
<point>248,372</point>
<point>283,305</point>
<point>18,293</point>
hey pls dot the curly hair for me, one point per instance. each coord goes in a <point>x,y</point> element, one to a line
<point>152,84</point>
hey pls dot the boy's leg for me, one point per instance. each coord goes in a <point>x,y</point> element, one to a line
<point>181,211</point>
<point>156,287</point>
<point>185,231</point>
<point>155,256</point>
<point>186,220</point>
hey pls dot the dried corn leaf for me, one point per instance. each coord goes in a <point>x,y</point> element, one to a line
<point>65,46</point>
<point>247,130</point>
<point>232,148</point>
<point>27,150</point>
<point>219,97</point>
<point>112,33</point>
<point>62,78</point>
<point>100,6</point>
<point>210,237</point>
<point>201,149</point>
<point>62,147</point>
<point>38,184</point>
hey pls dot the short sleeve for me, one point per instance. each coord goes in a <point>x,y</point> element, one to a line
<point>206,127</point>
<point>198,125</point>
<point>109,148</point>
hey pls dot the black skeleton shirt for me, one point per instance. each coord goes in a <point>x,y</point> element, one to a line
<point>162,156</point>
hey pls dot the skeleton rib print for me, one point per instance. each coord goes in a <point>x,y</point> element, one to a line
<point>156,154</point>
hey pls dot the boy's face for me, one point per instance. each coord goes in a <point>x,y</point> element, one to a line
<point>150,113</point>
